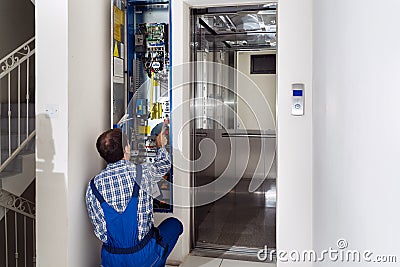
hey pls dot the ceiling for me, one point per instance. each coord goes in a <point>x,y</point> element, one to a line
<point>246,28</point>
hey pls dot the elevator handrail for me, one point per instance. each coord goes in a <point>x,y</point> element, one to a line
<point>254,135</point>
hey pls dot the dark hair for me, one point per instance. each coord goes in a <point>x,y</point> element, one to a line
<point>109,145</point>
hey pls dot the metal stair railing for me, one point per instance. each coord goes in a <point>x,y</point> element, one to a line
<point>11,67</point>
<point>17,151</point>
<point>19,216</point>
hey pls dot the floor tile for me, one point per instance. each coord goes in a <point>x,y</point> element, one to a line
<point>239,219</point>
<point>234,263</point>
<point>195,261</point>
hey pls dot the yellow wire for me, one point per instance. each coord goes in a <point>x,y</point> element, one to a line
<point>152,88</point>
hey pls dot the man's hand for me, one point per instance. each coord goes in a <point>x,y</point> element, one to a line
<point>127,152</point>
<point>161,140</point>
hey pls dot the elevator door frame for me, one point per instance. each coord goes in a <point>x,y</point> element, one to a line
<point>244,253</point>
<point>294,142</point>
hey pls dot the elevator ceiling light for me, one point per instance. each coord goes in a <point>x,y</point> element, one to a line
<point>253,29</point>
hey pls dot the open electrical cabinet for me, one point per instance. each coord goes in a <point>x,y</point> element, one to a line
<point>140,82</point>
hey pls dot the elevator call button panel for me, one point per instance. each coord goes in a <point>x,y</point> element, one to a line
<point>297,99</point>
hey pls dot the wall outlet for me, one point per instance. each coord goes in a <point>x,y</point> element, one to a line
<point>51,111</point>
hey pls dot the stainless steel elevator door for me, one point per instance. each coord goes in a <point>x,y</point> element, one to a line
<point>232,164</point>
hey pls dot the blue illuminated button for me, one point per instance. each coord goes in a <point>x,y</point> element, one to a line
<point>297,92</point>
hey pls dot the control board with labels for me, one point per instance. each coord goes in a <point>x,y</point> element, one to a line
<point>145,111</point>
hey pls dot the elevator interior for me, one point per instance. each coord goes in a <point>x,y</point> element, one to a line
<point>233,129</point>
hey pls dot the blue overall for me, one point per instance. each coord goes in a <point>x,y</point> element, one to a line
<point>123,248</point>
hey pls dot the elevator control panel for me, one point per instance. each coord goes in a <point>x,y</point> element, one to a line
<point>298,99</point>
<point>152,40</point>
<point>150,105</point>
<point>141,88</point>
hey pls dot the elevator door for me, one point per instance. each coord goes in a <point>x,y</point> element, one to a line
<point>233,123</point>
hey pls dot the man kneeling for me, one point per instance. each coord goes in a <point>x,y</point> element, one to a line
<point>120,206</point>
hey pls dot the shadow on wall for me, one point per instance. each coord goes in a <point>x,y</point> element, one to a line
<point>51,195</point>
<point>45,148</point>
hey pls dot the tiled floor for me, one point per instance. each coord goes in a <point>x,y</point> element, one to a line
<point>240,218</point>
<point>195,261</point>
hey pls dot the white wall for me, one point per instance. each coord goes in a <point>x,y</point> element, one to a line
<point>266,83</point>
<point>294,134</point>
<point>88,116</point>
<point>73,70</point>
<point>52,135</point>
<point>356,129</point>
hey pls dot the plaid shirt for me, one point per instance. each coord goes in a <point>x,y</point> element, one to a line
<point>115,183</point>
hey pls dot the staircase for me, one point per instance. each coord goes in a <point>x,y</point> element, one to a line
<point>17,229</point>
<point>17,118</point>
<point>20,172</point>
<point>17,157</point>
<point>17,134</point>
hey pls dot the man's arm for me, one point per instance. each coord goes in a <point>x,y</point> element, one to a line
<point>162,162</point>
<point>95,217</point>
<point>160,166</point>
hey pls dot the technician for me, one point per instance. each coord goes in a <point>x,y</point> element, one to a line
<point>120,206</point>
